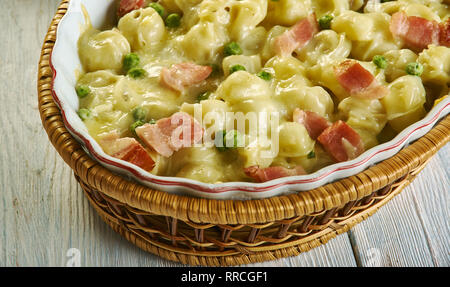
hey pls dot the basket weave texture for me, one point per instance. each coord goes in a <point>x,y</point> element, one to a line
<point>208,232</point>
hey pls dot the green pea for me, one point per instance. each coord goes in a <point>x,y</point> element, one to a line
<point>203,96</point>
<point>311,155</point>
<point>227,140</point>
<point>414,69</point>
<point>135,125</point>
<point>236,68</point>
<point>266,76</point>
<point>130,61</point>
<point>158,8</point>
<point>152,122</point>
<point>219,140</point>
<point>235,138</point>
<point>325,22</point>
<point>173,20</point>
<point>139,114</point>
<point>83,91</point>
<point>84,114</point>
<point>380,62</point>
<point>232,48</point>
<point>137,73</point>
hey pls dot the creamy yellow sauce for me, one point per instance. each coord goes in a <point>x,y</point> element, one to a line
<point>305,80</point>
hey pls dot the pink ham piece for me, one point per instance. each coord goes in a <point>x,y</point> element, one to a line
<point>183,75</point>
<point>296,37</point>
<point>313,122</point>
<point>359,82</point>
<point>341,141</point>
<point>274,172</point>
<point>126,6</point>
<point>127,149</point>
<point>416,32</point>
<point>171,134</point>
<point>444,35</point>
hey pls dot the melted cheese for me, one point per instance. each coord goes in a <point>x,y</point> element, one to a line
<point>304,80</point>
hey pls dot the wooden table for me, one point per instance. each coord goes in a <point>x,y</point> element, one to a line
<point>44,212</point>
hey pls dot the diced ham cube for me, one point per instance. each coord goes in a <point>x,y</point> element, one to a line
<point>444,35</point>
<point>359,82</point>
<point>342,142</point>
<point>171,134</point>
<point>127,149</point>
<point>399,25</point>
<point>313,122</point>
<point>156,139</point>
<point>126,6</point>
<point>416,32</point>
<point>270,173</point>
<point>184,75</point>
<point>296,37</point>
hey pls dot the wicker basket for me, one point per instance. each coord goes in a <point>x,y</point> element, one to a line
<point>219,233</point>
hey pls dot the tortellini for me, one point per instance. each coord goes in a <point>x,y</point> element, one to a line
<point>267,51</point>
<point>246,15</point>
<point>428,9</point>
<point>252,64</point>
<point>288,12</point>
<point>212,37</point>
<point>99,79</point>
<point>242,86</point>
<point>323,75</point>
<point>364,114</point>
<point>357,4</point>
<point>259,151</point>
<point>103,85</point>
<point>420,10</point>
<point>331,7</point>
<point>397,61</point>
<point>103,50</point>
<point>314,99</point>
<point>143,28</point>
<point>179,5</point>
<point>356,26</point>
<point>286,68</point>
<point>295,90</point>
<point>254,41</point>
<point>324,47</point>
<point>367,117</point>
<point>214,11</point>
<point>294,140</point>
<point>203,163</point>
<point>369,33</point>
<point>436,63</point>
<point>159,103</point>
<point>404,104</point>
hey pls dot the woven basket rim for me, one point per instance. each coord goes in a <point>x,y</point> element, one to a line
<point>253,211</point>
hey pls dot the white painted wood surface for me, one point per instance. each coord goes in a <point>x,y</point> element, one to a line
<point>43,212</point>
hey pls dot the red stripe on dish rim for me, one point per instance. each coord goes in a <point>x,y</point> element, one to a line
<point>226,188</point>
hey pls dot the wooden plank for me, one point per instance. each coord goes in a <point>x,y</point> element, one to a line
<point>430,194</point>
<point>25,157</point>
<point>337,252</point>
<point>409,230</point>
